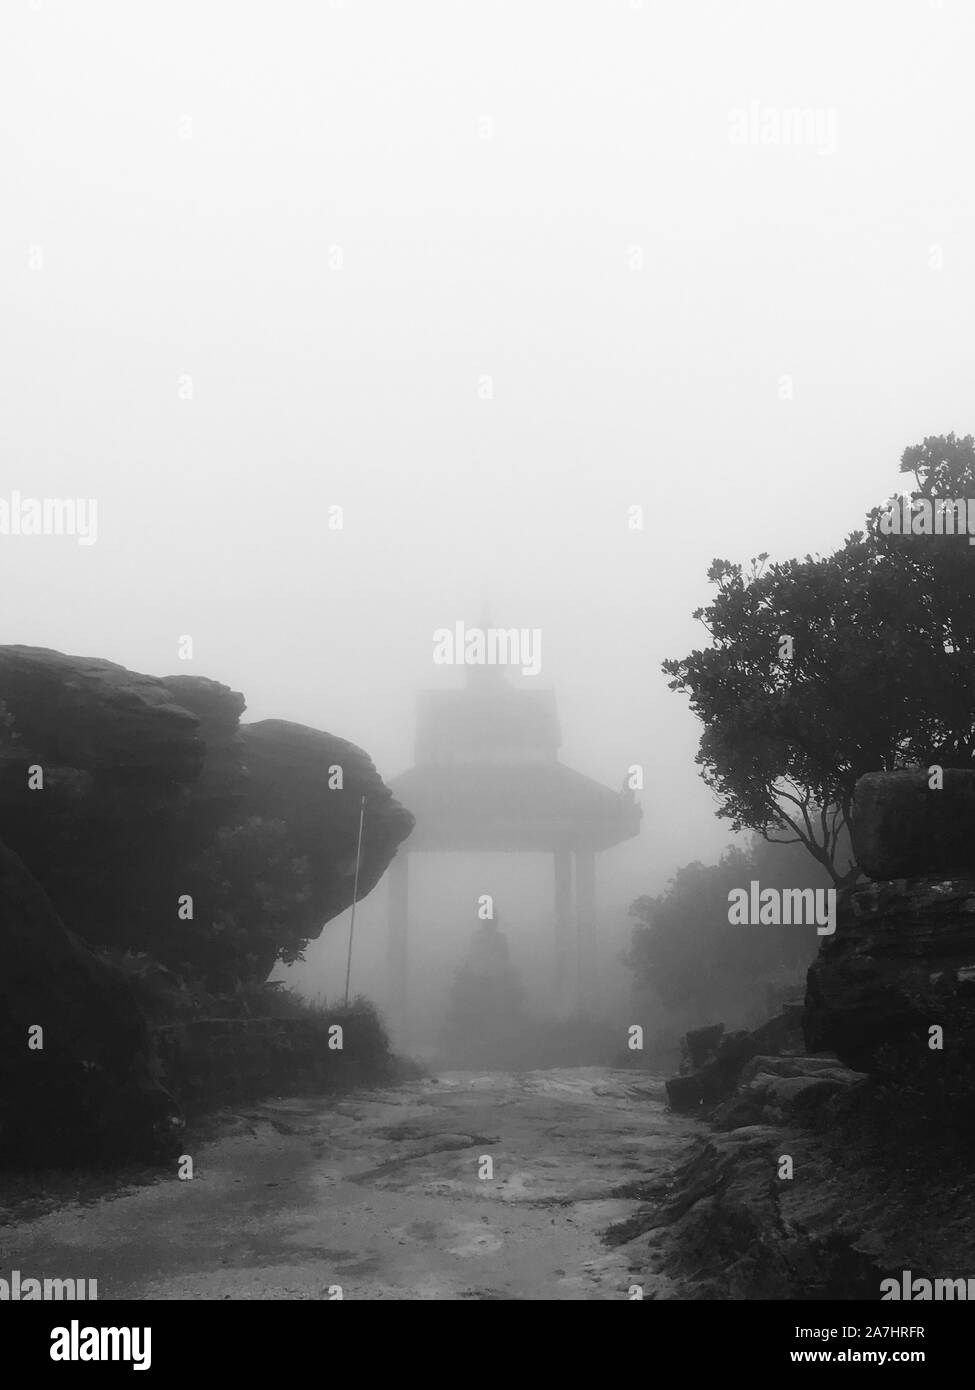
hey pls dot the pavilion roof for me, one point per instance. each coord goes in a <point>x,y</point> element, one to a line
<point>512,806</point>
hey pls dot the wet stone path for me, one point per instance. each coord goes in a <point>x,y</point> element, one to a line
<point>463,1186</point>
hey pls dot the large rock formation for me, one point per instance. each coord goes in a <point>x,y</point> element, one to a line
<point>118,795</point>
<point>121,795</point>
<point>902,959</point>
<point>91,715</point>
<point>903,828</point>
<point>144,779</point>
<point>118,757</point>
<point>713,1059</point>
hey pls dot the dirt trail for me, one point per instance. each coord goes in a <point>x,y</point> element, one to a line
<point>379,1193</point>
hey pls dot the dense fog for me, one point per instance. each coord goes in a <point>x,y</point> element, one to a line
<point>484,284</point>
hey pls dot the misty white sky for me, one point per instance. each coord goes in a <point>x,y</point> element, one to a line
<point>185,169</point>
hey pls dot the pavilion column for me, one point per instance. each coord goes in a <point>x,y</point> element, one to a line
<point>586,928</point>
<point>398,944</point>
<point>563,932</point>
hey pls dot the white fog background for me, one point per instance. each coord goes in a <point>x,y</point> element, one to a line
<point>337,220</point>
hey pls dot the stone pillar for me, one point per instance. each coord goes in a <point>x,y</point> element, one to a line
<point>586,928</point>
<point>564,952</point>
<point>397,972</point>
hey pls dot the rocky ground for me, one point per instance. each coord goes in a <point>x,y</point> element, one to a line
<point>597,1187</point>
<point>729,1225</point>
<point>379,1193</point>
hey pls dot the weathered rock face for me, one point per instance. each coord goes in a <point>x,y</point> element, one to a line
<point>725,1227</point>
<point>91,715</point>
<point>783,1090</point>
<point>699,1047</point>
<point>714,1059</point>
<point>288,767</point>
<point>145,791</point>
<point>90,1090</point>
<point>140,777</point>
<point>120,758</point>
<point>218,791</point>
<point>901,828</point>
<point>902,959</point>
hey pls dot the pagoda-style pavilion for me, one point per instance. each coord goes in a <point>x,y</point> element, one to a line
<point>487,778</point>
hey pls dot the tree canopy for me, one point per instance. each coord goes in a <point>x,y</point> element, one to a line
<point>684,951</point>
<point>825,668</point>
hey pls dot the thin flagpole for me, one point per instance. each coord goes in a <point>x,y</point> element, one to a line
<point>355,894</point>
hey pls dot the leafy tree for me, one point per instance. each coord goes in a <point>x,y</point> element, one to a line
<point>823,669</point>
<point>251,895</point>
<point>686,952</point>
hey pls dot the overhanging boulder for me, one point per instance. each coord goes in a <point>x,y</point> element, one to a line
<point>291,778</point>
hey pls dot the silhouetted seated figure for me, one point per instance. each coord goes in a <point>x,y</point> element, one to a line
<point>486,1007</point>
<point>488,954</point>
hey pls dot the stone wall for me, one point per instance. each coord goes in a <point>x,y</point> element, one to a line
<point>215,1062</point>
